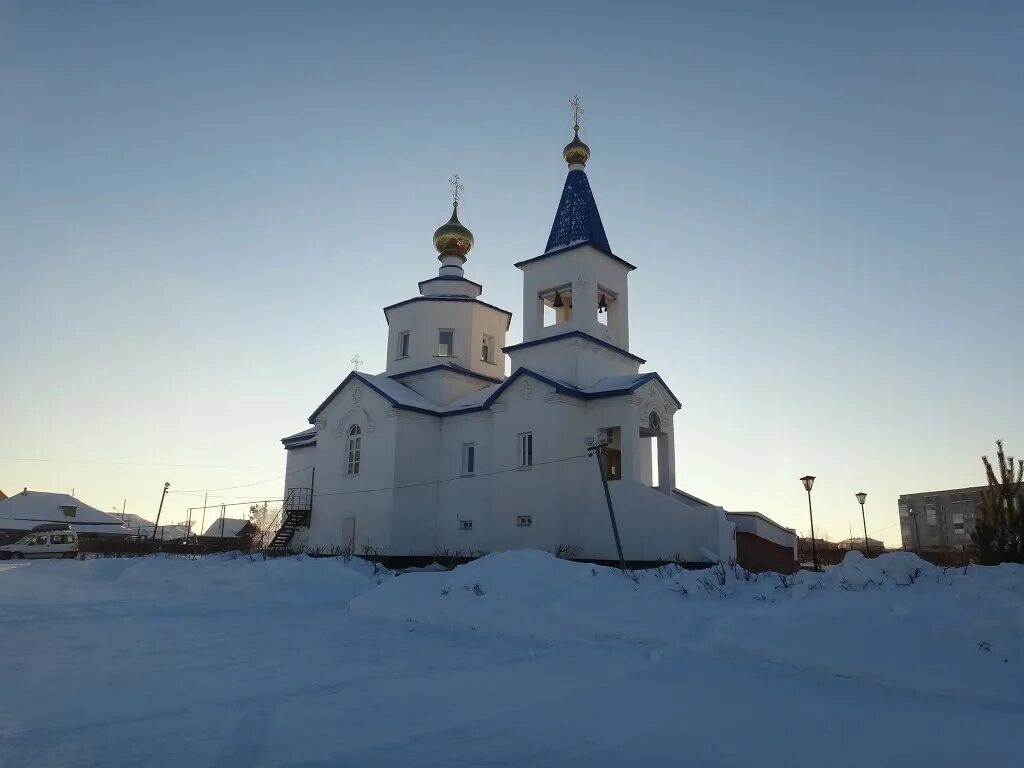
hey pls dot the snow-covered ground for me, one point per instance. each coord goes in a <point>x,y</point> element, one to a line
<point>515,659</point>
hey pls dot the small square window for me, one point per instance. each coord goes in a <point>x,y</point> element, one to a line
<point>468,458</point>
<point>465,525</point>
<point>445,342</point>
<point>524,521</point>
<point>403,344</point>
<point>69,511</point>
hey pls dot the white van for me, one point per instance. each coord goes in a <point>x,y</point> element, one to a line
<point>42,544</point>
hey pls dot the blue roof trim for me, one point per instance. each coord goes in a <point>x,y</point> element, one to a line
<point>300,439</point>
<point>577,219</point>
<point>290,445</point>
<point>505,312</point>
<point>609,254</point>
<point>375,388</point>
<point>571,334</point>
<point>565,389</point>
<point>421,283</point>
<point>449,367</point>
<point>560,387</point>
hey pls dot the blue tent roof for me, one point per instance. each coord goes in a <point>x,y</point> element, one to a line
<point>577,219</point>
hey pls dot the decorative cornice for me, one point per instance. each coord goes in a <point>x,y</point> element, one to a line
<point>574,335</point>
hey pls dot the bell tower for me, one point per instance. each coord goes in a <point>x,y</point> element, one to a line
<point>578,283</point>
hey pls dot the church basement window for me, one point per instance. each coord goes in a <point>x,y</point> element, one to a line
<point>355,449</point>
<point>524,521</point>
<point>526,449</point>
<point>465,525</point>
<point>445,342</point>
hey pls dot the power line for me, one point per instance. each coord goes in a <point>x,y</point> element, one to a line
<point>448,479</point>
<point>128,463</point>
<point>197,491</point>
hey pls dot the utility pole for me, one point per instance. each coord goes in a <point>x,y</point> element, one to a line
<point>202,524</point>
<point>222,509</point>
<point>160,508</point>
<point>597,449</point>
<point>917,531</point>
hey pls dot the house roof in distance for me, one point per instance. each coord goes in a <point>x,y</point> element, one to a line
<point>25,510</point>
<point>232,527</point>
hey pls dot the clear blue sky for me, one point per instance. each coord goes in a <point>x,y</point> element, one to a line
<point>204,206</point>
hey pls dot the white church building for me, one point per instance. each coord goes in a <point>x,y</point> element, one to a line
<point>442,452</point>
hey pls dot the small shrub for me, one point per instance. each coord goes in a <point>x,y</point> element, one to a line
<point>567,552</point>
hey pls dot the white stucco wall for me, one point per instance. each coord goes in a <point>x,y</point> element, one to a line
<point>587,271</point>
<point>469,320</point>
<point>411,493</point>
<point>574,360</point>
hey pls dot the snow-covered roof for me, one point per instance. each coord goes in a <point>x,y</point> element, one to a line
<point>232,527</point>
<point>25,510</point>
<point>402,396</point>
<point>301,439</point>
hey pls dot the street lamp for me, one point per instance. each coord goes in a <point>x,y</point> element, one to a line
<point>861,497</point>
<point>808,482</point>
<point>917,531</point>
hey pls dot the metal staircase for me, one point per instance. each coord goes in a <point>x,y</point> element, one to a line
<point>297,506</point>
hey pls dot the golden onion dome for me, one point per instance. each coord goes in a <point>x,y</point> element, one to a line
<point>576,152</point>
<point>451,238</point>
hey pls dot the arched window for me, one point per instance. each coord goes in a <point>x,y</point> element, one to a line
<point>355,449</point>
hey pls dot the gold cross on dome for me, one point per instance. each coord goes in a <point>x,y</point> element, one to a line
<point>577,112</point>
<point>457,188</point>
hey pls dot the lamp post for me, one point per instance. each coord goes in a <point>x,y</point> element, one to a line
<point>917,531</point>
<point>808,482</point>
<point>861,497</point>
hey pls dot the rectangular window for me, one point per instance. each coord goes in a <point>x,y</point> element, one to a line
<point>69,511</point>
<point>524,521</point>
<point>465,525</point>
<point>445,342</point>
<point>904,510</point>
<point>929,511</point>
<point>403,344</point>
<point>526,449</point>
<point>468,458</point>
<point>958,518</point>
<point>487,349</point>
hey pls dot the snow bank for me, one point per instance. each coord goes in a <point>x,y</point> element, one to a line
<point>515,659</point>
<point>895,619</point>
<point>216,580</point>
